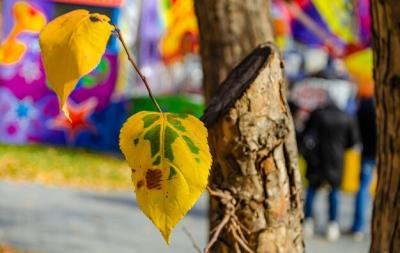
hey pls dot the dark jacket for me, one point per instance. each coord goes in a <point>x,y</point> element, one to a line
<point>332,131</point>
<point>366,121</point>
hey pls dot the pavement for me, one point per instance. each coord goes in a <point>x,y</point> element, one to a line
<point>60,220</point>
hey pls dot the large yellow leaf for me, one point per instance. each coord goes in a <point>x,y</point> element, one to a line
<point>170,162</point>
<point>72,45</point>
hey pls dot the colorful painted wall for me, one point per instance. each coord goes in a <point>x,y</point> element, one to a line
<point>28,108</point>
<point>103,99</point>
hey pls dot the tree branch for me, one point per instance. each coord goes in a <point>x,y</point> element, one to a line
<point>130,59</point>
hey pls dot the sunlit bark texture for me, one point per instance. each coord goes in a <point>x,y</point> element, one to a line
<point>386,45</point>
<point>250,130</point>
<point>229,30</point>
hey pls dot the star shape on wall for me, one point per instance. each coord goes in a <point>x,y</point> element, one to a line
<point>79,114</point>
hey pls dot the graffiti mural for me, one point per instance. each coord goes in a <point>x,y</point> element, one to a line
<point>104,98</point>
<point>29,109</point>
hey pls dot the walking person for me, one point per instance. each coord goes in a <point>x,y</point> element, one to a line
<point>327,134</point>
<point>366,121</point>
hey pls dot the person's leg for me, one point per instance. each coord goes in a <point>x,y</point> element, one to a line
<point>308,225</point>
<point>334,197</point>
<point>333,231</point>
<point>362,197</point>
<point>308,206</point>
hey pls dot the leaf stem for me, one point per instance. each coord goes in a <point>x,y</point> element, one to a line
<point>119,35</point>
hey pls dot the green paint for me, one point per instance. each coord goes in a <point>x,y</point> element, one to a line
<point>153,135</point>
<point>149,119</point>
<point>172,173</point>
<point>181,104</point>
<point>88,81</point>
<point>193,148</point>
<point>103,65</point>
<point>177,124</point>
<point>157,161</point>
<point>169,138</point>
<point>136,141</point>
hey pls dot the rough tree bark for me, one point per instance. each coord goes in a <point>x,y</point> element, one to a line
<point>229,30</point>
<point>250,128</point>
<point>386,47</point>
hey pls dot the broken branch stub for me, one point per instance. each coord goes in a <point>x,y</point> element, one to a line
<point>251,138</point>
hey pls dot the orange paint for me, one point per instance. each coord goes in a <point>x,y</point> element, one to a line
<point>26,19</point>
<point>181,35</point>
<point>79,118</point>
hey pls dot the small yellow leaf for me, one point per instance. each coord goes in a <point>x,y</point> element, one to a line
<point>170,161</point>
<point>72,45</point>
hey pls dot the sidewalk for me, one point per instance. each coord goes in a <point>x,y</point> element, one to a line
<point>51,219</point>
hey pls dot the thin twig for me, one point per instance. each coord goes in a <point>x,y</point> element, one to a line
<point>195,245</point>
<point>230,222</point>
<point>217,193</point>
<point>239,231</point>
<point>119,35</point>
<point>241,225</point>
<point>241,242</point>
<point>237,248</point>
<point>217,232</point>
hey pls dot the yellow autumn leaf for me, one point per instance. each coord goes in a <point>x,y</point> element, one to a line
<point>72,45</point>
<point>170,161</point>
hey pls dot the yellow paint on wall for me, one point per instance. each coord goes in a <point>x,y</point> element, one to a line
<point>351,172</point>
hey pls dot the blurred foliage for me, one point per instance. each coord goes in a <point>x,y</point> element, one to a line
<point>63,167</point>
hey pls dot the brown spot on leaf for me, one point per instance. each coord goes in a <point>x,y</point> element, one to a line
<point>153,179</point>
<point>139,184</point>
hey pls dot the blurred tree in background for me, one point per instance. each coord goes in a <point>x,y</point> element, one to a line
<point>253,144</point>
<point>386,45</point>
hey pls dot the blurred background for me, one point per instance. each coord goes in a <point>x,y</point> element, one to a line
<point>64,186</point>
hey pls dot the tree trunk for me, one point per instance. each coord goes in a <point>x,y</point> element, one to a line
<point>386,45</point>
<point>251,132</point>
<point>229,30</point>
